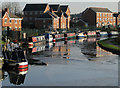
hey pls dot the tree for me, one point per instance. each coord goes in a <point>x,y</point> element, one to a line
<point>14,7</point>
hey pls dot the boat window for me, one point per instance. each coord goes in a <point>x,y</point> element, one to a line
<point>14,56</point>
<point>21,55</point>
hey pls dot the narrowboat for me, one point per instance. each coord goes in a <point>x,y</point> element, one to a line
<point>69,35</point>
<point>91,33</point>
<point>57,37</point>
<point>113,33</point>
<point>36,40</point>
<point>80,35</point>
<point>103,34</point>
<point>15,59</point>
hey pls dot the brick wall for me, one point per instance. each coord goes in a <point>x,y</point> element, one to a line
<point>43,23</point>
<point>12,23</point>
<point>90,17</point>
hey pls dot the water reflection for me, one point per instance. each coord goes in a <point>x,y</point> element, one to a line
<point>63,49</point>
<point>16,76</point>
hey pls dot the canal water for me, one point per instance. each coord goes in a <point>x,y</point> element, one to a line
<point>70,63</point>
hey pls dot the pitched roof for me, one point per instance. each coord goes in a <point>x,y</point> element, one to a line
<point>10,15</point>
<point>47,15</point>
<point>35,7</point>
<point>99,9</point>
<point>58,14</point>
<point>54,7</point>
<point>64,8</point>
<point>53,15</point>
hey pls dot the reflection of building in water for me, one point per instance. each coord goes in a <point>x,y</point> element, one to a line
<point>89,47</point>
<point>102,52</point>
<point>61,50</point>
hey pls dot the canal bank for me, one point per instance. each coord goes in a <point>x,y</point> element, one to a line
<point>109,45</point>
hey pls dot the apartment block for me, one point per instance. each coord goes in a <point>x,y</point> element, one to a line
<point>53,16</point>
<point>99,17</point>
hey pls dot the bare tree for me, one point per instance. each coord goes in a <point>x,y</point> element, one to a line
<point>14,7</point>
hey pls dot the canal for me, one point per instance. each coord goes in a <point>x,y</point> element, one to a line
<point>69,63</point>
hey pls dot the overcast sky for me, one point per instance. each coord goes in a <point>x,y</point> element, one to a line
<point>76,6</point>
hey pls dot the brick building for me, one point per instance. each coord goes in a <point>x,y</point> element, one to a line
<point>10,20</point>
<point>46,16</point>
<point>32,11</point>
<point>98,17</point>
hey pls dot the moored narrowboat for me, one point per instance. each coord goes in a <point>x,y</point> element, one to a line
<point>57,37</point>
<point>91,33</point>
<point>80,35</point>
<point>113,33</point>
<point>69,35</point>
<point>15,59</point>
<point>102,34</point>
<point>36,40</point>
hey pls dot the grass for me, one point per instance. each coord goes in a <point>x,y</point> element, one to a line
<point>2,42</point>
<point>107,45</point>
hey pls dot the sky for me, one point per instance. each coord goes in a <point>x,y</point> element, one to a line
<point>76,6</point>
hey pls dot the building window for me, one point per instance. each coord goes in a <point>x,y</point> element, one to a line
<point>103,19</point>
<point>25,18</point>
<point>103,14</point>
<point>98,19</point>
<point>36,13</point>
<point>5,20</point>
<point>30,13</point>
<point>30,18</point>
<point>19,28</point>
<point>106,19</point>
<point>16,21</point>
<point>111,19</point>
<point>25,13</point>
<point>106,15</point>
<point>19,21</point>
<point>15,28</point>
<point>44,26</point>
<point>10,21</point>
<point>97,14</point>
<point>100,14</point>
